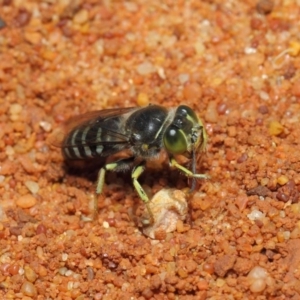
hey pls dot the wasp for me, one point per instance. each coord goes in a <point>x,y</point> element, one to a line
<point>143,132</point>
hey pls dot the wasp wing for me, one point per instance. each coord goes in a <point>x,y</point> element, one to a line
<point>92,116</point>
<point>96,133</point>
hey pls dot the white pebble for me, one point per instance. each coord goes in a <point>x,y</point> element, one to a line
<point>263,95</point>
<point>145,68</point>
<point>250,50</point>
<point>32,186</point>
<point>168,206</point>
<point>105,224</point>
<point>62,270</point>
<point>183,78</point>
<point>46,126</point>
<point>69,273</point>
<point>259,278</point>
<point>70,285</point>
<point>258,285</point>
<point>286,235</point>
<point>161,72</point>
<point>255,215</point>
<point>64,257</point>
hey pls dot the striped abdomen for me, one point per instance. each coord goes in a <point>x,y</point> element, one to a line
<point>100,137</point>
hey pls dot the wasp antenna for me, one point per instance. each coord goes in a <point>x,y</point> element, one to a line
<point>193,185</point>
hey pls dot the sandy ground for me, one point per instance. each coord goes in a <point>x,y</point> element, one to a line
<point>236,63</point>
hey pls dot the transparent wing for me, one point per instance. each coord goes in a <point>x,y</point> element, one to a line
<point>101,118</point>
<point>81,120</point>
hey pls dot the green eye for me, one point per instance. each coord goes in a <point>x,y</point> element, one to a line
<point>188,113</point>
<point>175,141</point>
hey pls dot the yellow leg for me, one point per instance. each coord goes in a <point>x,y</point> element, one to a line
<point>136,172</point>
<point>135,175</point>
<point>101,179</point>
<point>186,171</point>
<point>99,188</point>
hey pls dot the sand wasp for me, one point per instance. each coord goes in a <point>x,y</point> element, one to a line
<point>143,132</point>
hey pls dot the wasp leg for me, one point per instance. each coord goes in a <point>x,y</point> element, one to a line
<point>114,166</point>
<point>136,172</point>
<point>186,171</point>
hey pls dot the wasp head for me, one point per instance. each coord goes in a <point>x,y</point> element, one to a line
<point>186,133</point>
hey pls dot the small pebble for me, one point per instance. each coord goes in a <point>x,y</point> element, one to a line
<point>41,229</point>
<point>90,273</point>
<point>294,48</point>
<point>211,114</point>
<point>282,196</point>
<point>263,96</point>
<point>220,282</point>
<point>221,108</point>
<point>30,274</point>
<point>9,151</point>
<point>264,7</point>
<point>208,268</point>
<point>69,273</point>
<point>46,126</point>
<point>255,215</point>
<point>62,270</point>
<point>32,186</point>
<point>33,38</point>
<point>145,68</point>
<point>161,72</point>
<point>258,278</point>
<point>26,201</point>
<point>105,224</point>
<point>13,269</point>
<point>168,207</point>
<point>28,289</point>
<point>283,236</point>
<point>192,90</point>
<point>15,109</point>
<point>263,109</point>
<point>242,158</point>
<point>295,234</point>
<point>295,208</point>
<point>23,17</point>
<point>81,17</point>
<point>183,78</point>
<point>142,99</point>
<point>64,257</point>
<point>275,128</point>
<point>282,180</point>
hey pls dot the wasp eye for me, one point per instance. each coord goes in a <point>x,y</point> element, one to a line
<point>175,141</point>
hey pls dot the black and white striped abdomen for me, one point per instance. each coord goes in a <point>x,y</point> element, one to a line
<point>94,139</point>
<point>76,145</point>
